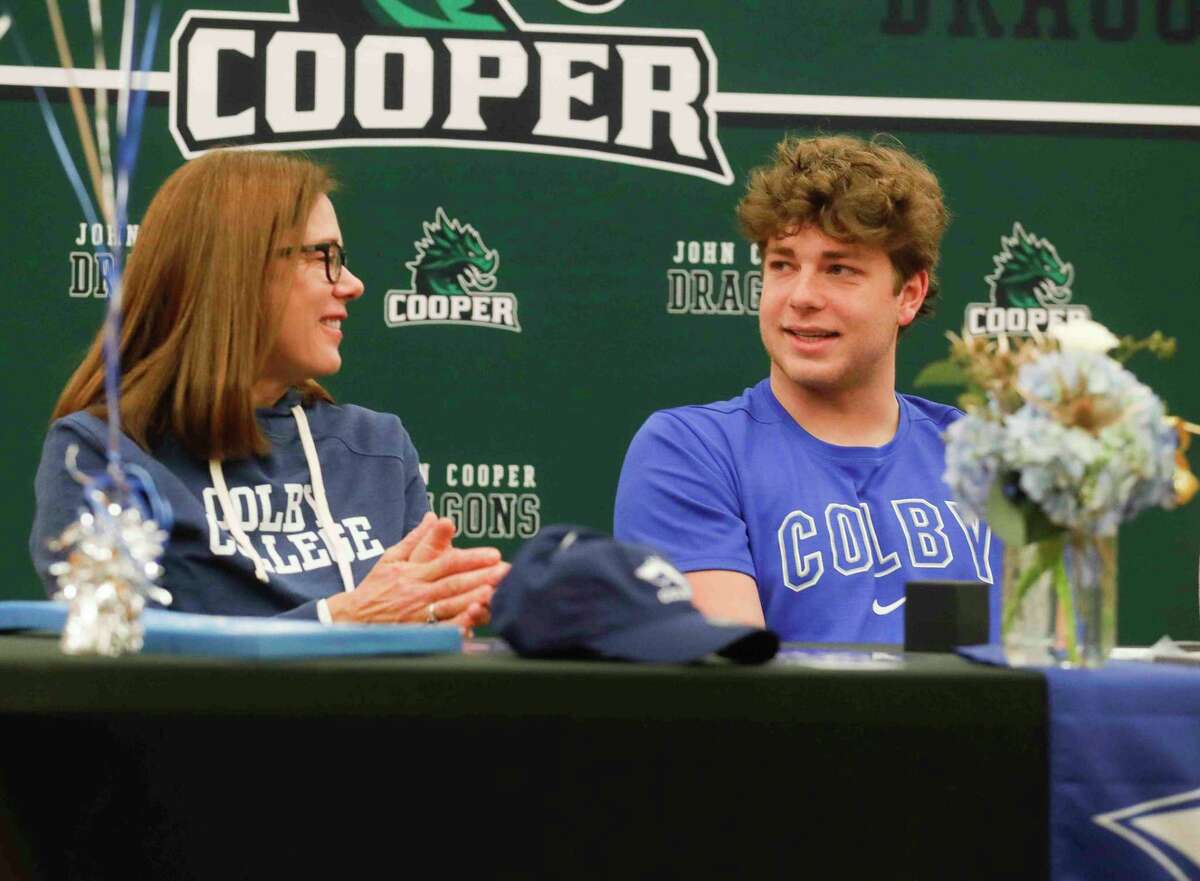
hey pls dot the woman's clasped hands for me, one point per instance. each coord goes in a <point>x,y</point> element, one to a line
<point>423,579</point>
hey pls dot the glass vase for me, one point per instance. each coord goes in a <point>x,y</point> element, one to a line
<point>1060,601</point>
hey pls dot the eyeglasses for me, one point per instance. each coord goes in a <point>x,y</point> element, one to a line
<point>333,254</point>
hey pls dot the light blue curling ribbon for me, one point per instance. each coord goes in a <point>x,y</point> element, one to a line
<point>56,137</point>
<point>130,479</point>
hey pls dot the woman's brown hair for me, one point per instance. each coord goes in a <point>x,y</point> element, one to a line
<point>198,315</point>
<point>852,190</point>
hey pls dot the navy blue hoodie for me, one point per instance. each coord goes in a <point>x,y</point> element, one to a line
<point>372,484</point>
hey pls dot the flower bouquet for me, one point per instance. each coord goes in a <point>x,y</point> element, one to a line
<point>1059,446</point>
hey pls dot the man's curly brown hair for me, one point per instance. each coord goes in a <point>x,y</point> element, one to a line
<point>865,192</point>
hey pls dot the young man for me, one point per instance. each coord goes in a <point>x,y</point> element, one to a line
<point>810,499</point>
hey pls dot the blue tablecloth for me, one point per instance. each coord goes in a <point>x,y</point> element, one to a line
<point>244,637</point>
<point>1124,770</point>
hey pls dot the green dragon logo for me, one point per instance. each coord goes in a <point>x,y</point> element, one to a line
<point>460,15</point>
<point>453,281</point>
<point>1029,273</point>
<point>452,259</point>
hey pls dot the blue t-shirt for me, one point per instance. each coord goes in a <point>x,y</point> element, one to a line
<point>830,534</point>
<point>372,483</point>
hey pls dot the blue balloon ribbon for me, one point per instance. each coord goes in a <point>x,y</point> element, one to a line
<point>56,137</point>
<point>132,481</point>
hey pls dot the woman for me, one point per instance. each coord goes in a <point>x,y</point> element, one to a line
<point>285,503</point>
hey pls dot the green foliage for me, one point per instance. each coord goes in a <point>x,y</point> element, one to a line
<point>1017,523</point>
<point>1157,344</point>
<point>987,368</point>
<point>947,372</point>
<point>1048,555</point>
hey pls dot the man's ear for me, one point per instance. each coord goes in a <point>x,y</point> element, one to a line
<point>912,295</point>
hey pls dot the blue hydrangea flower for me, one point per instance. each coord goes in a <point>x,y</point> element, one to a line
<point>1085,480</point>
<point>973,446</point>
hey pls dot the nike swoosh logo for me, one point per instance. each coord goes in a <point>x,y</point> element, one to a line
<point>889,608</point>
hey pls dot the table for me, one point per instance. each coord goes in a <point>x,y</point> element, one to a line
<point>188,767</point>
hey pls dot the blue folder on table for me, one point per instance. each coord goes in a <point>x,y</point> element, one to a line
<point>182,633</point>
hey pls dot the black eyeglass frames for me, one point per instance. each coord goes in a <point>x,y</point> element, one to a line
<point>333,254</point>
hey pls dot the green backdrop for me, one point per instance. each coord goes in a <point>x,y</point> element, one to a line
<point>588,232</point>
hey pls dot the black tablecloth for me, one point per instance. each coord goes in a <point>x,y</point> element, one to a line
<point>187,767</point>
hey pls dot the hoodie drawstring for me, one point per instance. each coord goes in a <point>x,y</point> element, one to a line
<point>324,517</point>
<point>321,505</point>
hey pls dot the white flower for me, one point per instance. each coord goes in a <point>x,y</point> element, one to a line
<point>1084,336</point>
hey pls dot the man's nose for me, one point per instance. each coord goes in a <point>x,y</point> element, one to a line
<point>806,291</point>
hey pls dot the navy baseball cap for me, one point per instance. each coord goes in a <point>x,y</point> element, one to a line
<point>576,592</point>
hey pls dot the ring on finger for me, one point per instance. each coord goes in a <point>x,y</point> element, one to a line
<point>431,616</point>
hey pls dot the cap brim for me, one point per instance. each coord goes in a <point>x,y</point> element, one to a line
<point>684,638</point>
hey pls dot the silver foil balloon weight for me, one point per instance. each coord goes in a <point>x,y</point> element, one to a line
<point>110,571</point>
